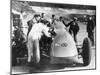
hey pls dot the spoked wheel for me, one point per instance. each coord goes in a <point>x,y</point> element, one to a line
<point>86,53</point>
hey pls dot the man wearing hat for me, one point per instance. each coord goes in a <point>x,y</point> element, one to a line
<point>74,28</point>
<point>34,20</point>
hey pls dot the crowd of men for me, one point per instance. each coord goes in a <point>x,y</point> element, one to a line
<point>73,25</point>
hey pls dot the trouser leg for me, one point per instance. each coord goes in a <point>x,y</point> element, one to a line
<point>30,50</point>
<point>70,31</point>
<point>36,51</point>
<point>91,36</point>
<point>75,37</point>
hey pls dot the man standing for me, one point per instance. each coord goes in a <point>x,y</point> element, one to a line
<point>90,29</point>
<point>74,28</point>
<point>53,19</point>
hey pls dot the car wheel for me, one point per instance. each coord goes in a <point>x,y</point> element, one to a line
<point>86,52</point>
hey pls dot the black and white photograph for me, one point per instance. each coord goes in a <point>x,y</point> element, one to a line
<point>52,37</point>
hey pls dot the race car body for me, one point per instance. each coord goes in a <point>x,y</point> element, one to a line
<point>63,48</point>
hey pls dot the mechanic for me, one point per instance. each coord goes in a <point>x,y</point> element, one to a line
<point>32,22</point>
<point>74,27</point>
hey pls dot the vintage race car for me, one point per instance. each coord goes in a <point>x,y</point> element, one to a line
<point>63,49</point>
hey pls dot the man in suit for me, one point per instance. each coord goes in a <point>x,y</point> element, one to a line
<point>90,29</point>
<point>74,28</point>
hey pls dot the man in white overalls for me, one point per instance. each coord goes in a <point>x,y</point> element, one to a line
<point>33,40</point>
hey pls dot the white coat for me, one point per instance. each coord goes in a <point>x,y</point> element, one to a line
<point>34,36</point>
